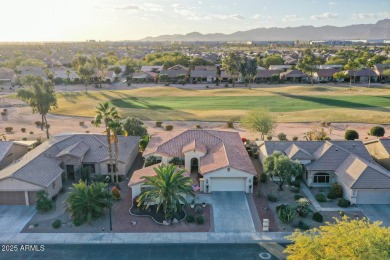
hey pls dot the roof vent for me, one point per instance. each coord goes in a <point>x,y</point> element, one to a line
<point>336,149</point>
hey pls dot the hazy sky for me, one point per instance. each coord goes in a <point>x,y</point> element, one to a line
<point>79,20</point>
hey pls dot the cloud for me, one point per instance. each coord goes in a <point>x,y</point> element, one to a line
<point>333,3</point>
<point>261,17</point>
<point>291,18</point>
<point>127,7</point>
<point>324,16</point>
<point>189,13</point>
<point>231,16</point>
<point>153,7</point>
<point>362,16</point>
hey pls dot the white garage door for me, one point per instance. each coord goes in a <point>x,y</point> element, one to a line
<point>373,197</point>
<point>228,184</point>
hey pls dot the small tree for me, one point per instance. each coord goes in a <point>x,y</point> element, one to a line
<point>134,127</point>
<point>344,239</point>
<point>280,166</point>
<point>282,136</point>
<point>44,203</point>
<point>259,121</point>
<point>231,64</point>
<point>351,135</point>
<point>377,131</point>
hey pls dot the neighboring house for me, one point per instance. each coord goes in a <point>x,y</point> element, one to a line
<point>380,68</point>
<point>380,151</point>
<point>31,70</point>
<point>331,66</point>
<point>346,162</point>
<point>324,75</point>
<point>217,160</point>
<point>266,75</point>
<point>280,67</point>
<point>10,151</point>
<point>123,69</point>
<point>144,77</point>
<point>179,67</point>
<point>155,69</point>
<point>205,68</point>
<point>174,75</point>
<point>7,75</point>
<point>58,159</point>
<point>109,76</point>
<point>227,76</point>
<point>362,75</point>
<point>203,76</point>
<point>294,76</point>
<point>62,74</point>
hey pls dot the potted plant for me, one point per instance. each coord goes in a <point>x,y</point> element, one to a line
<point>203,204</point>
<point>192,205</point>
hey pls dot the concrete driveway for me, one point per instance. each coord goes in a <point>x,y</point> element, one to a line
<point>377,213</point>
<point>14,218</point>
<point>231,212</point>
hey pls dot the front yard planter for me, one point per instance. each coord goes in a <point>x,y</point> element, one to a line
<point>203,204</point>
<point>157,216</point>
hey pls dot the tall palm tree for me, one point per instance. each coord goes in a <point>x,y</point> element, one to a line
<point>116,128</point>
<point>169,189</point>
<point>67,72</point>
<point>105,114</point>
<point>86,203</point>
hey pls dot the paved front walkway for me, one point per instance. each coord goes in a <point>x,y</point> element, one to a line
<point>377,213</point>
<point>14,218</point>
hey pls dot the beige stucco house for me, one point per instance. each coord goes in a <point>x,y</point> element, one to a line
<point>58,160</point>
<point>10,151</point>
<point>346,162</point>
<point>380,151</point>
<point>217,160</point>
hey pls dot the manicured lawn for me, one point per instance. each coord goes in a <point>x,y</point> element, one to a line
<point>290,103</point>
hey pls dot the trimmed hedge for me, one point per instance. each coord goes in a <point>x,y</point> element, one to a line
<point>377,131</point>
<point>158,124</point>
<point>331,195</point>
<point>320,197</point>
<point>351,135</point>
<point>168,127</point>
<point>318,217</point>
<point>190,218</point>
<point>343,203</point>
<point>199,220</point>
<point>56,224</point>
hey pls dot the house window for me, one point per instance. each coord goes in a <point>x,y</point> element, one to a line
<point>109,167</point>
<point>90,166</point>
<point>321,178</point>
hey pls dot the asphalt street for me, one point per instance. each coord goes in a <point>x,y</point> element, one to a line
<point>136,251</point>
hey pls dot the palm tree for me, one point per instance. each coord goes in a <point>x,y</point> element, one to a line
<point>68,73</point>
<point>370,66</point>
<point>168,189</point>
<point>86,203</point>
<point>105,114</point>
<point>116,128</point>
<point>41,97</point>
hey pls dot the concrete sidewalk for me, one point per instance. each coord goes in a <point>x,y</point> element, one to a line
<point>141,238</point>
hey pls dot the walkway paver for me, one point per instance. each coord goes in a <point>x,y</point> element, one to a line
<point>231,212</point>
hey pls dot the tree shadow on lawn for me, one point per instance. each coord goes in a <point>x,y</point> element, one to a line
<point>336,102</point>
<point>70,96</point>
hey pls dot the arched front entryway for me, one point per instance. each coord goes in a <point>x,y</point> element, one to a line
<point>194,165</point>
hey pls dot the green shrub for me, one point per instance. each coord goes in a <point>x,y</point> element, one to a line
<point>198,127</point>
<point>272,198</point>
<point>320,197</point>
<point>303,207</point>
<point>9,129</point>
<point>296,183</point>
<point>351,135</point>
<point>23,129</point>
<point>295,189</point>
<point>286,213</point>
<point>81,123</point>
<point>256,155</point>
<point>295,138</point>
<point>331,194</point>
<point>269,137</point>
<point>168,128</point>
<point>343,203</point>
<point>199,220</point>
<point>318,217</point>
<point>377,131</point>
<point>3,113</point>
<point>158,124</point>
<point>92,121</point>
<point>38,123</point>
<point>190,218</point>
<point>78,221</point>
<point>56,224</point>
<point>44,204</point>
<point>302,225</point>
<point>31,132</point>
<point>24,139</point>
<point>282,136</point>
<point>230,124</point>
<point>263,178</point>
<point>298,196</point>
<point>338,189</point>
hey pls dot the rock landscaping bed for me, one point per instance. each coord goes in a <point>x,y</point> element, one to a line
<point>157,216</point>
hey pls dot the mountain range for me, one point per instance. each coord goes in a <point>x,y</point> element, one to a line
<point>379,30</point>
